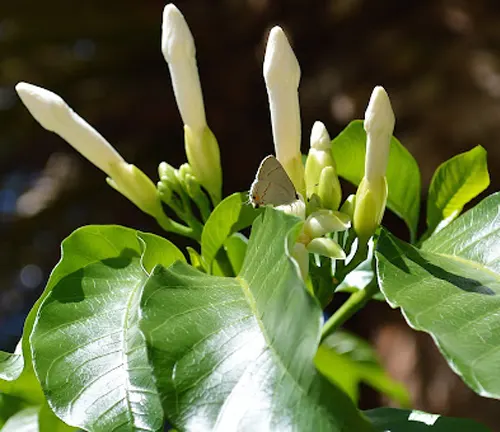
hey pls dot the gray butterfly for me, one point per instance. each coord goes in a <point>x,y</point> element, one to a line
<point>272,186</point>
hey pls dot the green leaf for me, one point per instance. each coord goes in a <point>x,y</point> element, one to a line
<point>231,215</point>
<point>237,353</point>
<point>25,420</point>
<point>343,351</point>
<point>236,248</point>
<point>451,289</point>
<point>35,419</point>
<point>454,184</point>
<point>403,174</point>
<point>9,405</point>
<point>396,420</point>
<point>88,351</point>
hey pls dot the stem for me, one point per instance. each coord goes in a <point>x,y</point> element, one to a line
<point>175,227</point>
<point>354,303</point>
<point>357,259</point>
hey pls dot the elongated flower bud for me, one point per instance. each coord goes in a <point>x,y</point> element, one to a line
<point>55,115</point>
<point>178,48</point>
<point>371,196</point>
<point>202,149</point>
<point>379,126</point>
<point>282,76</point>
<point>50,110</point>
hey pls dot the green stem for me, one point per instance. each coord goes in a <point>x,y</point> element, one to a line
<point>354,303</point>
<point>172,226</point>
<point>357,259</point>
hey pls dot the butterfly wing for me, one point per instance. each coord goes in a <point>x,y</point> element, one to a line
<point>272,185</point>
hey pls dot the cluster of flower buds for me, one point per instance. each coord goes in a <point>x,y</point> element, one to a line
<point>176,187</point>
<point>200,180</point>
<point>318,181</point>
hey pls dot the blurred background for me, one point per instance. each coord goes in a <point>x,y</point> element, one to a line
<point>439,60</point>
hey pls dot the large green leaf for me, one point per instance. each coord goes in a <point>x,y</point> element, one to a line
<point>454,184</point>
<point>237,353</point>
<point>343,351</point>
<point>451,289</point>
<point>233,214</point>
<point>396,420</point>
<point>88,351</point>
<point>403,175</point>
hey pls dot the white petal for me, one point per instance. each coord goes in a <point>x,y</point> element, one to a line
<point>179,51</point>
<point>282,76</point>
<point>379,125</point>
<point>320,140</point>
<point>55,115</point>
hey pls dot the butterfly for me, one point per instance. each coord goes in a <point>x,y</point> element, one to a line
<point>272,186</point>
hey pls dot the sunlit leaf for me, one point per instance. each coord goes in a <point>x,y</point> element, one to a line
<point>451,289</point>
<point>88,350</point>
<point>237,353</point>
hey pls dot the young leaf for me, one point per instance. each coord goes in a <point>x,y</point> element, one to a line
<point>237,353</point>
<point>397,420</point>
<point>450,289</point>
<point>88,351</point>
<point>403,174</point>
<point>230,216</point>
<point>454,184</point>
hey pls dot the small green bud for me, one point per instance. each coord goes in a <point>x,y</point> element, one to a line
<point>326,247</point>
<point>197,195</point>
<point>371,198</point>
<point>329,190</point>
<point>164,191</point>
<point>131,182</point>
<point>202,151</point>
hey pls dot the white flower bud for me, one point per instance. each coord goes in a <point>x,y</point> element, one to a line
<point>282,76</point>
<point>55,115</point>
<point>379,126</point>
<point>179,51</point>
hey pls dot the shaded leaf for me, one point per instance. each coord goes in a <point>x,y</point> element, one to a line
<point>396,420</point>
<point>343,351</point>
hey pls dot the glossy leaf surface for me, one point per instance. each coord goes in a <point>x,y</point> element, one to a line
<point>88,350</point>
<point>237,353</point>
<point>451,289</point>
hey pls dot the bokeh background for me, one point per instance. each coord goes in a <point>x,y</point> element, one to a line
<point>438,59</point>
